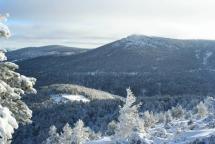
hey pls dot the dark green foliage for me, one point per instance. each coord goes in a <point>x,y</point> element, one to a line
<point>158,66</point>
<point>163,103</point>
<point>96,114</point>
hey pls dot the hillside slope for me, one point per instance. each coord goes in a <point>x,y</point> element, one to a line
<point>149,65</point>
<point>102,108</point>
<point>33,52</point>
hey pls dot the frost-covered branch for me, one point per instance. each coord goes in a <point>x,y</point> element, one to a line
<point>12,86</point>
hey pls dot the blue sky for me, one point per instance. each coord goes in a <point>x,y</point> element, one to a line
<point>92,23</point>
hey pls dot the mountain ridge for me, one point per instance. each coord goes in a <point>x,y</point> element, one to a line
<point>33,52</point>
<point>155,65</point>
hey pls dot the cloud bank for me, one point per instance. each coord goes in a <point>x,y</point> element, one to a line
<point>92,23</point>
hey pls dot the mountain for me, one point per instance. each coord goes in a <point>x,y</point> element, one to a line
<point>149,65</point>
<point>102,108</point>
<point>33,52</point>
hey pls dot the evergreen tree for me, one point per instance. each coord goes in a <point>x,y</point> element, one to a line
<point>210,104</point>
<point>54,137</point>
<point>129,120</point>
<point>149,119</point>
<point>111,128</point>
<point>65,136</point>
<point>202,109</point>
<point>177,112</point>
<point>80,134</point>
<point>12,86</point>
<point>168,117</point>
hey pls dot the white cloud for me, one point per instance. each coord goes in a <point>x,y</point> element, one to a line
<point>91,23</point>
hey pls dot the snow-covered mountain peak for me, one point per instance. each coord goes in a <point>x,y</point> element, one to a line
<point>134,40</point>
<point>142,41</point>
<point>136,37</point>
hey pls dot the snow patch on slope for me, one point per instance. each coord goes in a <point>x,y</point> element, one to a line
<point>68,97</point>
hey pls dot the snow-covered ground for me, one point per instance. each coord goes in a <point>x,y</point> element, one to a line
<point>207,56</point>
<point>104,140</point>
<point>177,127</point>
<point>177,133</point>
<point>68,97</point>
<point>181,132</point>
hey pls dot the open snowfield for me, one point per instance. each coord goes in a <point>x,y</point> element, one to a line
<point>67,97</point>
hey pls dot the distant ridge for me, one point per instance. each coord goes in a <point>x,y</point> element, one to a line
<point>33,52</point>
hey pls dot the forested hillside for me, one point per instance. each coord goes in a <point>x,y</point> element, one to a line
<point>33,52</point>
<point>101,108</point>
<point>149,65</point>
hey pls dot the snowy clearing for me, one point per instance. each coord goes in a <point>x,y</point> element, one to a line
<point>67,97</point>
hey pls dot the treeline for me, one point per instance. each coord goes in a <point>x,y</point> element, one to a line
<point>132,127</point>
<point>96,115</point>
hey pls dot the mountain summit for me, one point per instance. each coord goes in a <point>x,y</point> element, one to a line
<point>149,65</point>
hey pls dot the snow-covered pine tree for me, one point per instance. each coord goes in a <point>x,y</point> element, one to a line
<point>129,120</point>
<point>202,109</point>
<point>149,119</point>
<point>80,134</point>
<point>65,136</point>
<point>168,117</point>
<point>54,137</point>
<point>12,86</point>
<point>111,128</point>
<point>161,117</point>
<point>210,104</point>
<point>177,112</point>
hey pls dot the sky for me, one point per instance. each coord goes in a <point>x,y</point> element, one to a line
<point>93,23</point>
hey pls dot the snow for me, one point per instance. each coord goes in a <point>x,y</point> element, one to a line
<point>207,56</point>
<point>180,127</point>
<point>142,41</point>
<point>136,40</point>
<point>2,56</point>
<point>200,133</point>
<point>104,140</point>
<point>68,97</point>
<point>76,98</point>
<point>171,136</point>
<point>190,136</point>
<point>180,130</point>
<point>7,123</point>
